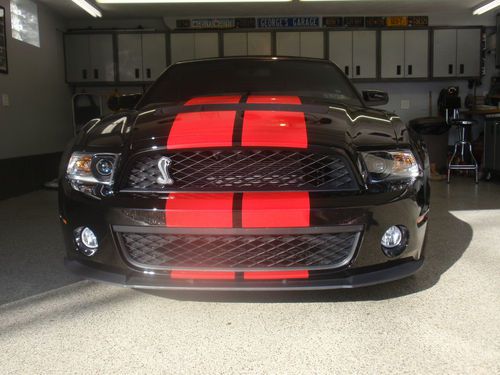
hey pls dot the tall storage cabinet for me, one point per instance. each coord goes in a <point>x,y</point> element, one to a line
<point>89,58</point>
<point>300,43</point>
<point>247,44</point>
<point>190,46</point>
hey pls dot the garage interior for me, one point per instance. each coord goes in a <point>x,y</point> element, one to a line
<point>61,64</point>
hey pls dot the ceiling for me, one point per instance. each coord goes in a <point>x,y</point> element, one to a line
<point>363,7</point>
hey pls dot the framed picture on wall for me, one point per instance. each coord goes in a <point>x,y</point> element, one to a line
<point>3,41</point>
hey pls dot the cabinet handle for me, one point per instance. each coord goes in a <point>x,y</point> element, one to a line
<point>358,70</point>
<point>450,69</point>
<point>96,73</point>
<point>137,73</point>
<point>148,73</point>
<point>398,70</point>
<point>462,68</point>
<point>410,70</point>
<point>84,73</point>
<point>346,70</point>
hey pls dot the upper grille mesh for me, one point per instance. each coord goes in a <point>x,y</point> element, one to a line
<point>242,170</point>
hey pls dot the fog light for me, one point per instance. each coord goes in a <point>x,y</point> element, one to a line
<point>394,241</point>
<point>86,241</point>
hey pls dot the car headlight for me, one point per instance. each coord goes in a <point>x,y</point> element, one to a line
<point>391,165</point>
<point>88,171</point>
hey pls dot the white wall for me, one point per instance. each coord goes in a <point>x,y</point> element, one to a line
<point>39,118</point>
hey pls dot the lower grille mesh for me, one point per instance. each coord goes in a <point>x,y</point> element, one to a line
<point>326,250</point>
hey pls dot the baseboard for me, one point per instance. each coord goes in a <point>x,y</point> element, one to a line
<point>28,173</point>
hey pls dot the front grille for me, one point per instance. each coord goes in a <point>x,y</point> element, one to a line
<point>242,170</point>
<point>238,252</point>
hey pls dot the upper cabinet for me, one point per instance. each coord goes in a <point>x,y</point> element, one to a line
<point>191,46</point>
<point>404,54</point>
<point>457,53</point>
<point>354,52</point>
<point>141,57</point>
<point>300,43</point>
<point>89,58</point>
<point>247,44</point>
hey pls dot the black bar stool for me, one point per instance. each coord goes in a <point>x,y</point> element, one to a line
<point>460,149</point>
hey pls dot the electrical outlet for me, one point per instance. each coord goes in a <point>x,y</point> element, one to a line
<point>405,104</point>
<point>5,100</point>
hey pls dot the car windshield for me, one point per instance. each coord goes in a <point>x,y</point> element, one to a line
<point>313,79</point>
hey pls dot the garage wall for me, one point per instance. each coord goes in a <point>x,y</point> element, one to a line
<point>38,120</point>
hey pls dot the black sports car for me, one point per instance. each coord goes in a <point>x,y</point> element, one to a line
<point>247,174</point>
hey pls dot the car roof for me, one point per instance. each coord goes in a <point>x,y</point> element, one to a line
<point>255,58</point>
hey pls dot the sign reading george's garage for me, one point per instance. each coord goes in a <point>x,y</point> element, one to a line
<point>287,22</point>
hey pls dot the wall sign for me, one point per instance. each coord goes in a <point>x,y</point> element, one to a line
<point>3,41</point>
<point>287,22</point>
<point>216,23</point>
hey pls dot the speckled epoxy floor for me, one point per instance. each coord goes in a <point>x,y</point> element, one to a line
<point>446,319</point>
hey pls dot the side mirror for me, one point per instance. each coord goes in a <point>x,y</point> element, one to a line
<point>117,103</point>
<point>374,97</point>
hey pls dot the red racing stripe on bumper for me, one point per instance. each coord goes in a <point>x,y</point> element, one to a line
<point>270,99</point>
<point>274,129</point>
<point>202,275</point>
<point>200,210</point>
<point>276,275</point>
<point>275,210</point>
<point>223,99</point>
<point>202,129</point>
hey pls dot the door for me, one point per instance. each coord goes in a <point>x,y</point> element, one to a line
<point>235,44</point>
<point>445,53</point>
<point>416,53</point>
<point>206,45</point>
<point>154,56</point>
<point>340,50</point>
<point>259,44</point>
<point>181,47</point>
<point>469,52</point>
<point>288,43</point>
<point>393,54</point>
<point>364,54</point>
<point>77,58</point>
<point>312,44</point>
<point>101,58</point>
<point>130,57</point>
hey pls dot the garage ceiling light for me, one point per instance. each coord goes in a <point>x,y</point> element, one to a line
<point>486,7</point>
<point>185,1</point>
<point>88,7</point>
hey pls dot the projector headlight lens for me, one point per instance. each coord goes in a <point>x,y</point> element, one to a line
<point>391,165</point>
<point>87,171</point>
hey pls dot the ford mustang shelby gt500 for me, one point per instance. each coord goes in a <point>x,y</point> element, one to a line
<point>246,174</point>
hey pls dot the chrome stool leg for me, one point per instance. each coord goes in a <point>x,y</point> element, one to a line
<point>463,144</point>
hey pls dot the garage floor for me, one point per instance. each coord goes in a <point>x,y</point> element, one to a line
<point>446,319</point>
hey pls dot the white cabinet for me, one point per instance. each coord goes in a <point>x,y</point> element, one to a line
<point>190,46</point>
<point>89,58</point>
<point>247,44</point>
<point>303,44</point>
<point>457,52</point>
<point>404,53</point>
<point>141,57</point>
<point>355,52</point>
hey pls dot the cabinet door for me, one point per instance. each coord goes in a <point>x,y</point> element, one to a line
<point>340,50</point>
<point>206,45</point>
<point>417,53</point>
<point>181,47</point>
<point>312,44</point>
<point>288,43</point>
<point>468,52</point>
<point>364,54</point>
<point>259,44</point>
<point>235,44</point>
<point>77,58</point>
<point>101,58</point>
<point>445,53</point>
<point>393,53</point>
<point>130,57</point>
<point>154,56</point>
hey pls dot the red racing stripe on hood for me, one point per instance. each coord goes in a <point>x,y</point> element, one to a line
<point>270,99</point>
<point>274,129</point>
<point>202,129</point>
<point>222,99</point>
<point>275,210</point>
<point>199,210</point>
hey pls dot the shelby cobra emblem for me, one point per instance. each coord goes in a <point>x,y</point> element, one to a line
<point>163,165</point>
